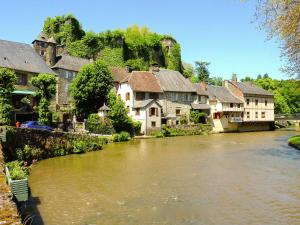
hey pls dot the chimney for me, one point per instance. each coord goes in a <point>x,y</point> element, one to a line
<point>154,68</point>
<point>203,85</point>
<point>234,79</point>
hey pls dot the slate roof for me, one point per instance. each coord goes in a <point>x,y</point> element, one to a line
<point>119,74</point>
<point>19,56</point>
<point>199,90</point>
<point>144,103</point>
<point>249,88</point>
<point>143,81</point>
<point>72,63</point>
<point>222,94</point>
<point>174,81</point>
<point>200,106</point>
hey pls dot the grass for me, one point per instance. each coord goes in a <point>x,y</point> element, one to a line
<point>295,141</point>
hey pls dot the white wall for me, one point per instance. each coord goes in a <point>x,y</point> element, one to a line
<point>252,108</point>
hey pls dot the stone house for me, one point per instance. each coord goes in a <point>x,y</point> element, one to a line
<point>26,63</point>
<point>177,96</point>
<point>258,105</point>
<point>64,65</point>
<point>140,92</point>
<point>201,102</point>
<point>226,109</point>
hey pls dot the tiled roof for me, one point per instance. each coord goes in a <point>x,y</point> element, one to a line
<point>72,63</point>
<point>250,88</point>
<point>144,103</point>
<point>199,90</point>
<point>119,74</point>
<point>19,56</point>
<point>143,81</point>
<point>222,94</point>
<point>174,81</point>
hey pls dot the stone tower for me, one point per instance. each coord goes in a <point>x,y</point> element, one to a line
<point>168,43</point>
<point>46,48</point>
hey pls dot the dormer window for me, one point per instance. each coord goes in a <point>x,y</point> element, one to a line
<point>22,79</point>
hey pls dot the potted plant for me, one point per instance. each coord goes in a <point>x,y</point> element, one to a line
<point>17,178</point>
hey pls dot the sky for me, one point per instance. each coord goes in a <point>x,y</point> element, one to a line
<point>222,32</point>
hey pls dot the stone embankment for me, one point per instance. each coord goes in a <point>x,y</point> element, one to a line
<point>8,210</point>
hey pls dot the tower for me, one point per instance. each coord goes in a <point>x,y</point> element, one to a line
<point>46,48</point>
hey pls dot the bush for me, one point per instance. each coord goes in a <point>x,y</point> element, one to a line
<point>159,134</point>
<point>123,136</point>
<point>98,125</point>
<point>137,125</point>
<point>197,117</point>
<point>183,119</point>
<point>294,141</point>
<point>17,170</point>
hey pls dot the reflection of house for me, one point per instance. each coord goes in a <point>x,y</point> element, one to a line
<point>26,63</point>
<point>141,91</point>
<point>226,109</point>
<point>258,105</point>
<point>64,65</point>
<point>178,94</point>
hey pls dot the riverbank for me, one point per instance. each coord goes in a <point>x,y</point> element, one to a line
<point>295,141</point>
<point>8,209</point>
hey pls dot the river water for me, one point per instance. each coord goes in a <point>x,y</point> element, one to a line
<point>222,179</point>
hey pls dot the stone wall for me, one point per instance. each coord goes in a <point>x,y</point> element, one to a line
<point>8,210</point>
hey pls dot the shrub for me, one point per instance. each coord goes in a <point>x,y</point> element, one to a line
<point>123,136</point>
<point>17,170</point>
<point>79,147</point>
<point>183,119</point>
<point>197,117</point>
<point>294,141</point>
<point>137,125</point>
<point>158,135</point>
<point>98,125</point>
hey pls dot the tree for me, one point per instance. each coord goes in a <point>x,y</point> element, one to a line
<point>174,58</point>
<point>201,69</point>
<point>90,88</point>
<point>258,77</point>
<point>218,81</point>
<point>246,79</point>
<point>280,18</point>
<point>7,86</point>
<point>118,114</point>
<point>45,85</point>
<point>188,70</point>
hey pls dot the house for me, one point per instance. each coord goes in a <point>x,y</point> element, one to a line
<point>258,105</point>
<point>66,66</point>
<point>119,74</point>
<point>177,97</point>
<point>141,93</point>
<point>26,63</point>
<point>226,109</point>
<point>201,102</point>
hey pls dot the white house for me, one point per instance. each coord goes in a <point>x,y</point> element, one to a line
<point>140,91</point>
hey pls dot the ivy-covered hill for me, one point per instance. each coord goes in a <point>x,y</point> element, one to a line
<point>135,47</point>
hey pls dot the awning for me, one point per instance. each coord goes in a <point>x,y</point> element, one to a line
<point>200,106</point>
<point>24,92</point>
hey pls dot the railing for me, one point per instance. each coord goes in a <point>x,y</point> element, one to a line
<point>236,119</point>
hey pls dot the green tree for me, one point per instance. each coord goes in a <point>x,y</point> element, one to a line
<point>112,56</point>
<point>247,78</point>
<point>7,86</point>
<point>90,88</point>
<point>201,69</point>
<point>174,58</point>
<point>218,81</point>
<point>266,76</point>
<point>119,114</point>
<point>137,65</point>
<point>45,85</point>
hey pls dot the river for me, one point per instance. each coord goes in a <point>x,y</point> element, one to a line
<point>221,179</point>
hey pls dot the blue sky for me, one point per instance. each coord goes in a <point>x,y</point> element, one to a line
<point>221,32</point>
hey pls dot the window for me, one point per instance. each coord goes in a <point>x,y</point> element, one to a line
<point>239,105</point>
<point>42,52</point>
<point>140,96</point>
<point>153,112</point>
<point>256,102</point>
<point>216,116</point>
<point>248,115</point>
<point>174,97</point>
<point>263,115</point>
<point>127,96</point>
<point>177,112</point>
<point>266,102</point>
<point>153,124</point>
<point>231,105</point>
<point>248,101</point>
<point>137,111</point>
<point>256,115</point>
<point>21,79</point>
<point>153,96</point>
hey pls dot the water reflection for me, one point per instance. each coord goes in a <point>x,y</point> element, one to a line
<point>248,178</point>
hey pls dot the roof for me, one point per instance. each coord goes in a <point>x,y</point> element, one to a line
<point>250,88</point>
<point>72,63</point>
<point>104,108</point>
<point>199,90</point>
<point>143,81</point>
<point>174,81</point>
<point>44,38</point>
<point>119,74</point>
<point>200,106</point>
<point>23,92</point>
<point>222,94</point>
<point>144,103</point>
<point>22,57</point>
